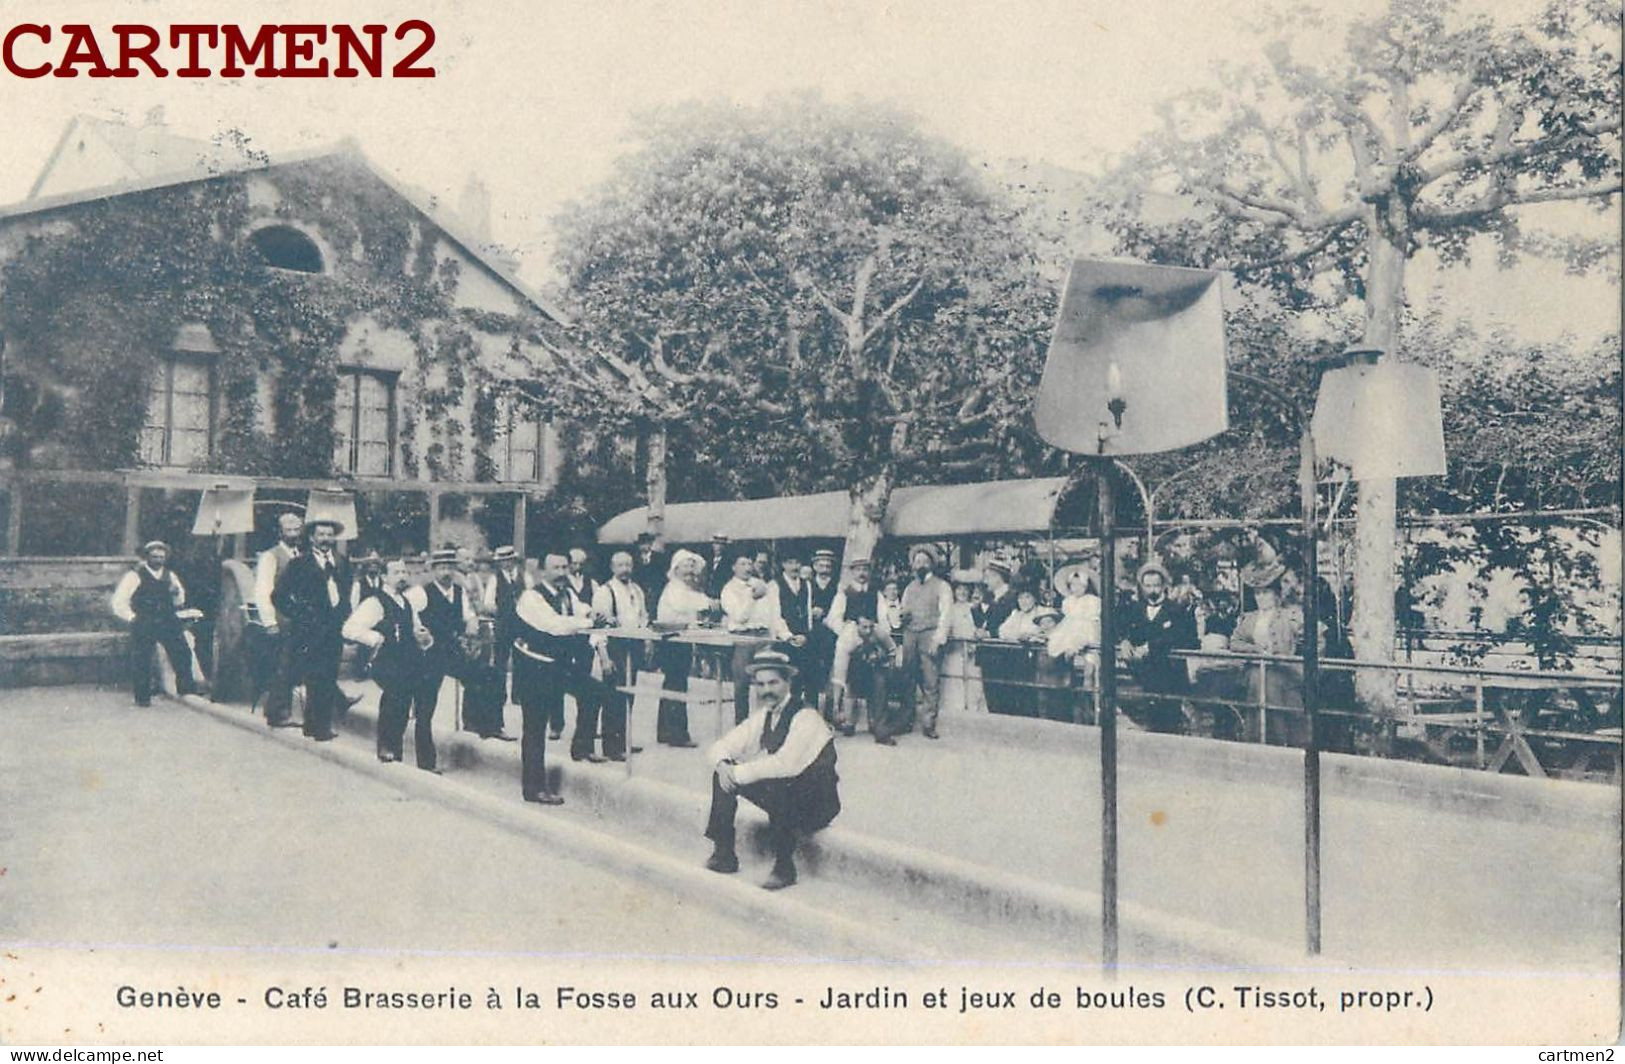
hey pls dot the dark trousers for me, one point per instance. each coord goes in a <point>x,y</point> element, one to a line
<point>415,696</point>
<point>817,659</point>
<point>541,702</point>
<point>534,709</point>
<point>283,674</point>
<point>671,726</point>
<point>318,655</point>
<point>774,797</point>
<point>483,698</point>
<point>289,671</point>
<point>871,683</point>
<point>143,637</point>
<point>625,659</point>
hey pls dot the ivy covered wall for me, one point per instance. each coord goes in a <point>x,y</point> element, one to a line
<point>92,297</point>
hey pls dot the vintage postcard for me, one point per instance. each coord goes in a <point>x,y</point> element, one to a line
<point>810,521</point>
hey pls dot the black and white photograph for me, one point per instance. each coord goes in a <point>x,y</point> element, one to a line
<point>810,522</point>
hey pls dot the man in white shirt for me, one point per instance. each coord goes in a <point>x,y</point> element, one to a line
<point>620,600</point>
<point>750,607</point>
<point>782,759</point>
<point>545,668</point>
<point>149,599</point>
<point>387,623</point>
<point>279,694</point>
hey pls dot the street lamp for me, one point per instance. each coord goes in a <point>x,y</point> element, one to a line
<point>1135,366</point>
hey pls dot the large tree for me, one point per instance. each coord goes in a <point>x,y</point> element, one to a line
<point>811,296</point>
<point>1324,175</point>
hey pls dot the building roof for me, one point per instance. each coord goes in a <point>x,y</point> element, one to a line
<point>146,153</point>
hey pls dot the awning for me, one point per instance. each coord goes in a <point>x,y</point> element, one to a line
<point>919,512</point>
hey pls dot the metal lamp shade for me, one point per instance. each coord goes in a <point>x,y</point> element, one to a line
<point>1381,420</point>
<point>1150,336</point>
<point>225,509</point>
<point>333,506</point>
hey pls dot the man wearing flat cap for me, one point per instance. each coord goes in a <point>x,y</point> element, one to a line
<point>1154,627</point>
<point>149,599</point>
<point>782,759</point>
<point>313,596</point>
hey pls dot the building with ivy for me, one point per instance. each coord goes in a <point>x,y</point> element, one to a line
<point>177,313</point>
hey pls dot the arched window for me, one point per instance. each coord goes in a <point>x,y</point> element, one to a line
<point>286,248</point>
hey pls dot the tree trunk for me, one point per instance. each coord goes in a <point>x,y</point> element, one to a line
<point>1372,630</point>
<point>654,483</point>
<point>865,514</point>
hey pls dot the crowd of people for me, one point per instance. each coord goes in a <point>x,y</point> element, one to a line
<point>816,650</point>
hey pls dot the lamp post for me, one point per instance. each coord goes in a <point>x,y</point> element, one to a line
<point>1136,366</point>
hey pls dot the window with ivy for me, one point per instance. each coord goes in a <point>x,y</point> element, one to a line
<point>522,434</point>
<point>179,426</point>
<point>364,432</point>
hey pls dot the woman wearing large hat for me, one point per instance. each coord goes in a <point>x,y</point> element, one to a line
<point>1271,628</point>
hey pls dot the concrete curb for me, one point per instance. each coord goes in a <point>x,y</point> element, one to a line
<point>991,897</point>
<point>731,896</point>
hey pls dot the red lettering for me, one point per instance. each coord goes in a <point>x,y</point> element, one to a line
<point>7,46</point>
<point>129,50</point>
<point>236,48</point>
<point>295,49</point>
<point>82,50</point>
<point>350,43</point>
<point>407,67</point>
<point>193,35</point>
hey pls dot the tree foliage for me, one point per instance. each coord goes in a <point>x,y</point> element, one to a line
<point>810,296</point>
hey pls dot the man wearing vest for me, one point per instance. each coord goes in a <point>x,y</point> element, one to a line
<point>387,624</point>
<point>621,601</point>
<point>821,592</point>
<point>545,668</point>
<point>369,581</point>
<point>369,578</point>
<point>313,597</point>
<point>782,758</point>
<point>795,606</point>
<point>927,611</point>
<point>148,600</point>
<point>502,593</point>
<point>445,609</point>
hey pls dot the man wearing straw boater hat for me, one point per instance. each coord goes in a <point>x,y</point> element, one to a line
<point>502,592</point>
<point>149,599</point>
<point>446,610</point>
<point>313,595</point>
<point>1156,626</point>
<point>782,758</point>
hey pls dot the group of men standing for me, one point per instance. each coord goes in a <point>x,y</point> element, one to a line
<point>831,631</point>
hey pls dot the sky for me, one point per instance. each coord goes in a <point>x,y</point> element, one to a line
<point>538,97</point>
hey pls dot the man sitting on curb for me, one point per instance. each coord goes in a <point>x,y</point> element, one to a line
<point>782,758</point>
